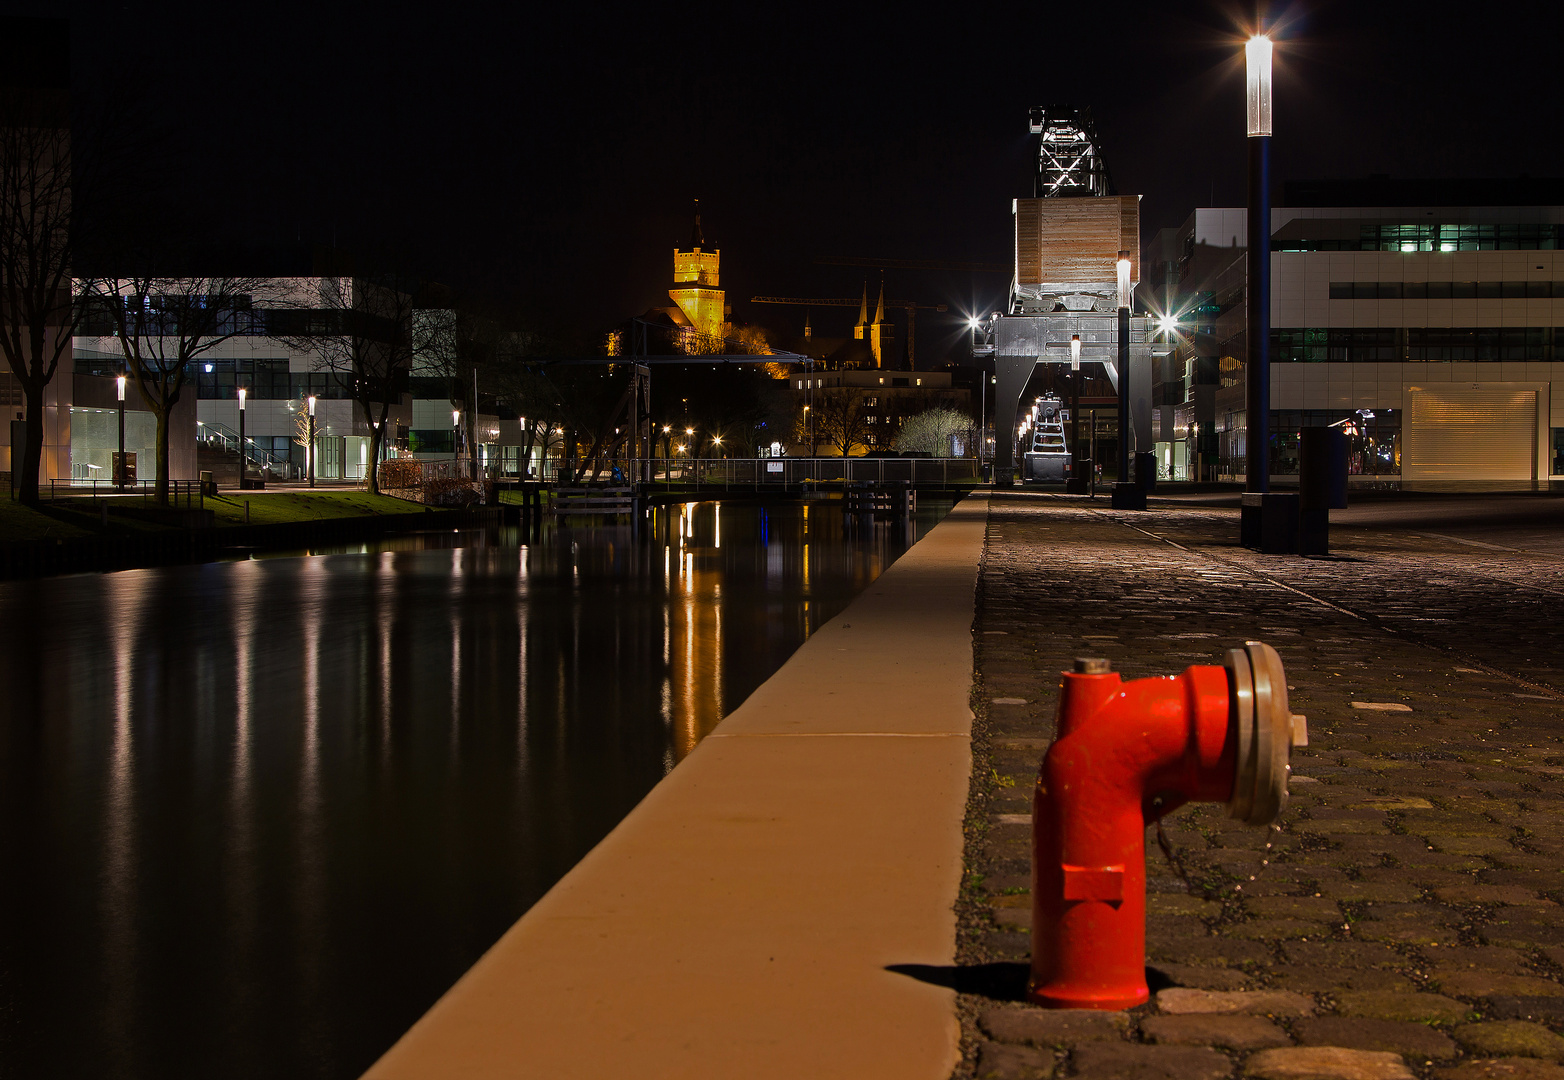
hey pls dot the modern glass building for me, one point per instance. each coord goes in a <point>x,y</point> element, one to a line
<point>1424,317</point>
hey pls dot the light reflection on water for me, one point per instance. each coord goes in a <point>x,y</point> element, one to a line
<point>256,816</point>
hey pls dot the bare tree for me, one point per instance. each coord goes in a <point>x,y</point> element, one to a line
<point>931,431</point>
<point>840,419</point>
<point>36,311</point>
<point>462,347</point>
<point>363,334</point>
<point>165,324</point>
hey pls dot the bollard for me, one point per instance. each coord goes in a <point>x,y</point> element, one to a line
<point>1124,755</point>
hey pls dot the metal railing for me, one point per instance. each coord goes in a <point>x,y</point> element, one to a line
<point>781,472</point>
<point>182,493</point>
<point>226,438</point>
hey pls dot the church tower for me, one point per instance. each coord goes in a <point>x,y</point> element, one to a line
<point>695,281</point>
<point>882,335</point>
<point>861,327</point>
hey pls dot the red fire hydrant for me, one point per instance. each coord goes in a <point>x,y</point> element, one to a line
<point>1125,754</point>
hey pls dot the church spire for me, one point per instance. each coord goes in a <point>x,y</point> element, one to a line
<point>696,239</point>
<point>863,308</point>
<point>879,312</point>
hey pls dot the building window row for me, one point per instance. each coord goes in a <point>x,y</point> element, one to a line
<point>1446,290</point>
<point>1338,344</point>
<point>1430,237</point>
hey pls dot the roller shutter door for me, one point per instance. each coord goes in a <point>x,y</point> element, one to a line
<point>1465,434</point>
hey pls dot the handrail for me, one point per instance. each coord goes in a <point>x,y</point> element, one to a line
<point>229,440</point>
<point>792,471</point>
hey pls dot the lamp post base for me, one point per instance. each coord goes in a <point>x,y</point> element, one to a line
<point>1268,522</point>
<point>1129,496</point>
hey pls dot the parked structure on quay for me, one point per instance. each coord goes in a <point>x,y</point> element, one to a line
<point>1424,316</point>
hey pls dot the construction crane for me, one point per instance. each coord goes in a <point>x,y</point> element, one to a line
<point>916,264</point>
<point>911,307</point>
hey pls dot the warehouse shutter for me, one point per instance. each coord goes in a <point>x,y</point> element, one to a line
<point>1462,434</point>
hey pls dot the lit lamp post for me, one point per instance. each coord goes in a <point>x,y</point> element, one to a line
<point>1077,483</point>
<point>241,438</point>
<point>309,451</point>
<point>1127,494</point>
<point>1257,376</point>
<point>456,441</point>
<point>119,465</point>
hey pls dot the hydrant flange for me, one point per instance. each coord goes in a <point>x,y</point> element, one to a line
<point>1265,731</point>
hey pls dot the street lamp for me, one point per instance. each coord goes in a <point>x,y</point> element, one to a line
<point>456,437</point>
<point>309,451</point>
<point>119,468</point>
<point>1257,377</point>
<point>1127,495</point>
<point>1076,485</point>
<point>241,437</point>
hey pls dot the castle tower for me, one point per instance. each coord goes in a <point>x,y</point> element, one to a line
<point>882,335</point>
<point>695,281</point>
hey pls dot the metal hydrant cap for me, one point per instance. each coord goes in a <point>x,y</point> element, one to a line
<point>1266,731</point>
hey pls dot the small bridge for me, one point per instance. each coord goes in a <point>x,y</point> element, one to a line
<point>685,479</point>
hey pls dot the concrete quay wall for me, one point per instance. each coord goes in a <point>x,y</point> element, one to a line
<point>740,921</point>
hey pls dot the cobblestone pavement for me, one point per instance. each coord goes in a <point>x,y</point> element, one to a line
<point>1403,919</point>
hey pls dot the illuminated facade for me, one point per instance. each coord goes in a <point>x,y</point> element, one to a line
<point>1423,317</point>
<point>696,289</point>
<point>880,334</point>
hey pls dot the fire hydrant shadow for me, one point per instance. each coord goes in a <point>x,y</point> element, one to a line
<point>1003,980</point>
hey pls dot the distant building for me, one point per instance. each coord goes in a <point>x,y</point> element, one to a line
<point>880,334</point>
<point>886,399</point>
<point>1424,317</point>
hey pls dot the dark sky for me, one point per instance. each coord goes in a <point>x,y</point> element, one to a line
<point>545,155</point>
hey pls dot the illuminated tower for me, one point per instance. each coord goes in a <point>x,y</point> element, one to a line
<point>861,327</point>
<point>882,336</point>
<point>695,287</point>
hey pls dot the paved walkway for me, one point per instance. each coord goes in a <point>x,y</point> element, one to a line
<point>1405,919</point>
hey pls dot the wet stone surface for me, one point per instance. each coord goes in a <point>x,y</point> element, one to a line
<point>1403,919</point>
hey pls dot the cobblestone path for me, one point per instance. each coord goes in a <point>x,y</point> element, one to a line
<point>1403,920</point>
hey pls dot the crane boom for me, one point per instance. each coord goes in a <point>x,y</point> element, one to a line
<point>804,302</point>
<point>916,264</point>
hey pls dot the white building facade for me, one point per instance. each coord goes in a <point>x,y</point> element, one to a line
<point>1434,334</point>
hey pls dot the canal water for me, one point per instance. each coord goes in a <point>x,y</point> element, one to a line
<point>256,816</point>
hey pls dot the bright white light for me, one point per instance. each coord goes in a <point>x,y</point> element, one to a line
<point>1075,352</point>
<point>456,417</point>
<point>312,404</point>
<point>974,322</point>
<point>1257,69</point>
<point>242,393</point>
<point>119,381</point>
<point>1168,324</point>
<point>1123,268</point>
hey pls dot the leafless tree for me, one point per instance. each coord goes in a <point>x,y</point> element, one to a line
<point>165,324</point>
<point>362,332</point>
<point>463,348</point>
<point>36,311</point>
<point>840,419</point>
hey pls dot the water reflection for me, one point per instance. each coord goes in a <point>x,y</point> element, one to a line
<point>256,816</point>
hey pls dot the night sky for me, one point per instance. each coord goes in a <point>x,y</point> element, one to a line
<point>544,157</point>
